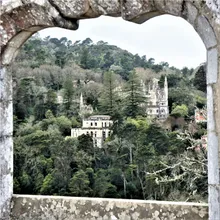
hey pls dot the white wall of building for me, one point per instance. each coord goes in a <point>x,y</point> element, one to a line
<point>98,127</point>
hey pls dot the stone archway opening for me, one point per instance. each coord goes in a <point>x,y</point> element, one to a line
<point>143,27</point>
<point>205,20</point>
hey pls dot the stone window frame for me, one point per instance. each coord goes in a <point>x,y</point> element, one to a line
<point>206,22</point>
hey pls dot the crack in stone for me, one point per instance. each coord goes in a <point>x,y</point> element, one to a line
<point>3,137</point>
<point>216,186</point>
<point>183,6</point>
<point>71,20</point>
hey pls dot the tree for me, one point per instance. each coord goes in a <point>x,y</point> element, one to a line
<point>40,107</point>
<point>126,62</point>
<point>164,64</point>
<point>79,184</point>
<point>180,111</point>
<point>139,61</point>
<point>47,187</point>
<point>61,57</point>
<point>86,144</point>
<point>182,95</point>
<point>186,71</point>
<point>151,61</point>
<point>68,93</point>
<point>103,186</point>
<point>24,99</point>
<point>173,80</point>
<point>200,79</point>
<point>86,60</point>
<point>86,42</point>
<point>107,61</point>
<point>157,68</point>
<point>52,101</point>
<point>109,98</point>
<point>134,97</point>
<point>64,125</point>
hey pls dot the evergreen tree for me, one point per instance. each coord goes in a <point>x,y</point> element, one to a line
<point>68,93</point>
<point>79,184</point>
<point>134,102</point>
<point>108,61</point>
<point>86,60</point>
<point>200,79</point>
<point>109,99</point>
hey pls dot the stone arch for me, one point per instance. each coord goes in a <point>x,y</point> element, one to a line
<point>20,23</point>
<point>20,19</point>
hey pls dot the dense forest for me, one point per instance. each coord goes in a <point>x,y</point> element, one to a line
<point>142,159</point>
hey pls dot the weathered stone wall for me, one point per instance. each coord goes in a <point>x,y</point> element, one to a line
<point>70,208</point>
<point>6,143</point>
<point>21,18</point>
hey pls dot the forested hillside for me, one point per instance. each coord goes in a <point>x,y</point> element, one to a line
<point>143,158</point>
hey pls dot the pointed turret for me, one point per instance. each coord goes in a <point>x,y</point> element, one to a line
<point>143,87</point>
<point>166,90</point>
<point>81,102</point>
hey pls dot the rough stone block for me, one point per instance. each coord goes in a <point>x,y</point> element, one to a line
<point>6,176</point>
<point>107,7</point>
<point>54,207</point>
<point>9,5</point>
<point>17,41</point>
<point>6,143</point>
<point>210,109</point>
<point>191,13</point>
<point>214,208</point>
<point>213,169</point>
<point>206,32</point>
<point>5,85</point>
<point>135,8</point>
<point>212,66</point>
<point>6,112</point>
<point>6,119</point>
<point>70,10</point>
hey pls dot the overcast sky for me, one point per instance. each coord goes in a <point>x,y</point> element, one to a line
<point>165,38</point>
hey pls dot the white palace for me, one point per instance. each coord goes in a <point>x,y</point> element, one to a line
<point>157,99</point>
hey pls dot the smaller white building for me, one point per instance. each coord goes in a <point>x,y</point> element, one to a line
<point>97,126</point>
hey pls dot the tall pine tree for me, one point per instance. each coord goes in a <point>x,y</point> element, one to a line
<point>135,99</point>
<point>109,100</point>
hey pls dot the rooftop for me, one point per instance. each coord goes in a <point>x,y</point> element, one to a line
<point>99,117</point>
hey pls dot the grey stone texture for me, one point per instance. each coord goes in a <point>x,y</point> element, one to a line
<point>53,208</point>
<point>212,66</point>
<point>206,32</point>
<point>191,13</point>
<point>6,144</point>
<point>21,18</point>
